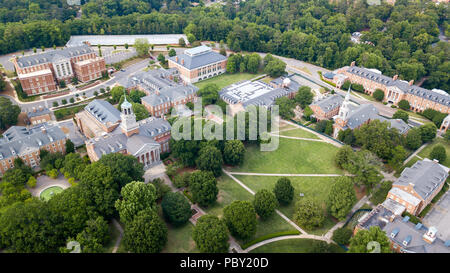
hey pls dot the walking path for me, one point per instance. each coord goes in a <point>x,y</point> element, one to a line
<point>299,138</point>
<point>119,239</point>
<point>304,235</point>
<point>326,139</point>
<point>415,153</point>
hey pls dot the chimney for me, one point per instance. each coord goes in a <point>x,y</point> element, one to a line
<point>395,77</point>
<point>182,61</point>
<point>176,59</point>
<point>43,129</point>
<point>411,82</point>
<point>353,63</point>
<point>34,109</point>
<point>430,236</point>
<point>40,108</point>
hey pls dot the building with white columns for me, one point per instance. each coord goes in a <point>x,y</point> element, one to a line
<point>146,139</point>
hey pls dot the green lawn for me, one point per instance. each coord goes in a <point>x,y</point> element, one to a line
<point>230,191</point>
<point>180,240</point>
<point>299,132</point>
<point>50,192</point>
<point>292,246</point>
<point>316,188</point>
<point>226,79</point>
<point>427,150</point>
<point>292,156</point>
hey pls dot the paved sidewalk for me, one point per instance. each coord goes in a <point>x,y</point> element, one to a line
<point>119,239</point>
<point>284,174</point>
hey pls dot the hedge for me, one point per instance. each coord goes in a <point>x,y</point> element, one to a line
<point>270,236</point>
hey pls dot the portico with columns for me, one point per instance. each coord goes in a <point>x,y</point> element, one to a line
<point>149,155</point>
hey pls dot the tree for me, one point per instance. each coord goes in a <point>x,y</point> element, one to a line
<point>9,113</point>
<point>124,168</point>
<point>233,152</point>
<point>240,218</point>
<point>117,92</point>
<point>142,46</point>
<point>265,203</point>
<point>304,96</point>
<point>286,107</point>
<point>97,185</point>
<point>254,62</point>
<point>438,153</point>
<point>398,156</point>
<point>203,187</point>
<point>140,111</point>
<point>136,196</point>
<point>401,115</point>
<point>94,236</point>
<point>309,214</point>
<point>210,159</point>
<point>176,208</point>
<point>342,236</point>
<point>284,191</point>
<point>161,58</point>
<point>343,156</point>
<point>404,104</point>
<point>146,233</point>
<point>136,95</point>
<point>360,242</point>
<point>72,164</point>
<point>210,234</point>
<point>172,52</point>
<point>62,84</point>
<point>70,147</point>
<point>275,67</point>
<point>428,132</point>
<point>413,139</point>
<point>341,198</point>
<point>378,95</point>
<point>182,42</point>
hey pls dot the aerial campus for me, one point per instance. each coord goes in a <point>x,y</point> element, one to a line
<point>106,130</point>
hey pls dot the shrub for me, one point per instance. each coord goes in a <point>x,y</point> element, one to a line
<point>284,191</point>
<point>53,173</point>
<point>31,182</point>
<point>378,95</point>
<point>240,217</point>
<point>265,203</point>
<point>404,104</point>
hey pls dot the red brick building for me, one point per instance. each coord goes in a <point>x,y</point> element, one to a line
<point>40,73</point>
<point>395,89</point>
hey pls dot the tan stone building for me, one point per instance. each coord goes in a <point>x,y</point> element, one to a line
<point>40,73</point>
<point>39,115</point>
<point>199,63</point>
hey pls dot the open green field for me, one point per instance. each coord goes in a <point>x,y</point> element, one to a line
<point>226,79</point>
<point>179,239</point>
<point>292,156</point>
<point>427,150</point>
<point>299,132</point>
<point>316,188</point>
<point>292,246</point>
<point>230,191</point>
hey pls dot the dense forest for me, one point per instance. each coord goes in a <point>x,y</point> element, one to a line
<point>404,39</point>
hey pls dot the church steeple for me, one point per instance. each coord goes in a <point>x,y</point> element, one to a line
<point>345,107</point>
<point>128,125</point>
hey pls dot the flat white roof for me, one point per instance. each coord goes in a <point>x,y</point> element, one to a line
<point>110,40</point>
<point>248,90</point>
<point>405,196</point>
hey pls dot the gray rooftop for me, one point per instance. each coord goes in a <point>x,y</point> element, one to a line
<point>198,57</point>
<point>361,114</point>
<point>103,111</point>
<point>426,175</point>
<point>401,230</point>
<point>19,140</point>
<point>116,141</point>
<point>38,112</point>
<point>53,55</point>
<point>329,103</point>
<point>438,97</point>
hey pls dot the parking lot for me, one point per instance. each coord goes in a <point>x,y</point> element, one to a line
<point>439,217</point>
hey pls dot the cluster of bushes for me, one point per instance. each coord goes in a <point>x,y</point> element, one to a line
<point>435,116</point>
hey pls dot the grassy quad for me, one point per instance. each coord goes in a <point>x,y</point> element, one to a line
<point>425,153</point>
<point>50,192</point>
<point>292,246</point>
<point>226,79</point>
<point>292,156</point>
<point>230,191</point>
<point>299,132</point>
<point>316,188</point>
<point>179,239</point>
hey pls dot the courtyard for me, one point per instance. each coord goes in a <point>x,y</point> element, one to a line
<point>46,185</point>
